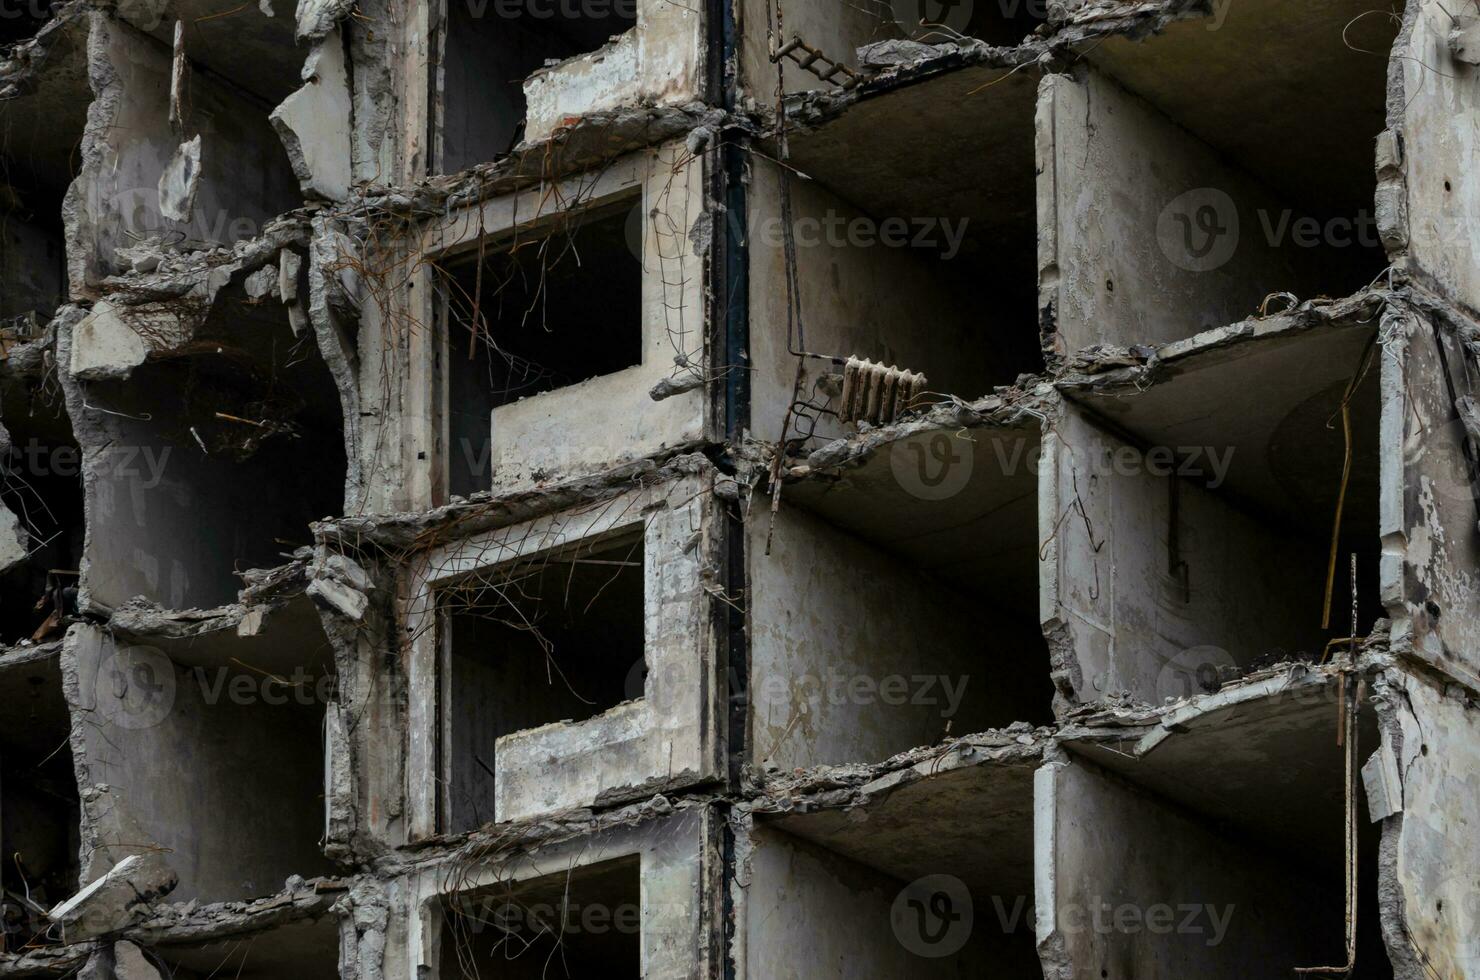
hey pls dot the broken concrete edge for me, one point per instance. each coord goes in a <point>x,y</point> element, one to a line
<point>1029,401</point>
<point>1077,24</point>
<point>1011,408</point>
<point>192,273</point>
<point>1109,367</point>
<point>34,359</point>
<point>814,108</point>
<point>333,298</point>
<point>859,784</point>
<point>1143,726</point>
<point>47,961</point>
<point>396,535</point>
<point>26,654</point>
<point>588,141</point>
<point>894,65</point>
<point>23,63</point>
<point>1397,692</point>
<point>497,843</point>
<point>194,923</point>
<point>265,591</point>
<point>191,922</point>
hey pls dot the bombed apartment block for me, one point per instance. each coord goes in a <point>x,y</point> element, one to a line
<point>570,488</point>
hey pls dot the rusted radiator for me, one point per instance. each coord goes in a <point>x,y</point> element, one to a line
<point>877,393</point>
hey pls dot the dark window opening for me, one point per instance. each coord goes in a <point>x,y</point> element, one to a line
<point>489,49</point>
<point>39,809</point>
<point>227,448</point>
<point>42,487</point>
<point>22,21</point>
<point>304,950</point>
<point>1004,22</point>
<point>584,923</point>
<point>548,312</point>
<point>557,637</point>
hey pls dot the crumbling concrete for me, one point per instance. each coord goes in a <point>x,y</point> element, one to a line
<point>467,545</point>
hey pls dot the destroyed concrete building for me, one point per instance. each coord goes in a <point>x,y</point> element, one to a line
<point>747,489</point>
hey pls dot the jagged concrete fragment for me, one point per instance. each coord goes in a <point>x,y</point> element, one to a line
<point>290,265</point>
<point>314,123</point>
<point>179,182</point>
<point>1384,785</point>
<point>1464,37</point>
<point>116,900</point>
<point>105,345</point>
<point>316,18</point>
<point>262,284</point>
<point>14,541</point>
<point>338,597</point>
<point>129,963</point>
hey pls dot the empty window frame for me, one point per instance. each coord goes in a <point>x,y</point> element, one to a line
<point>531,315</point>
<point>488,48</point>
<point>555,637</point>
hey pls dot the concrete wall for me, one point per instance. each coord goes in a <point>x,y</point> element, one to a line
<point>556,433</point>
<point>890,304</point>
<point>1108,591</point>
<point>666,736</point>
<point>660,61</point>
<point>1118,263</point>
<point>244,176</point>
<point>1434,110</point>
<point>809,913</point>
<point>1428,882</point>
<point>856,656</point>
<point>169,521</point>
<point>1431,542</point>
<point>838,31</point>
<point>1127,886</point>
<point>230,786</point>
<point>676,857</point>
